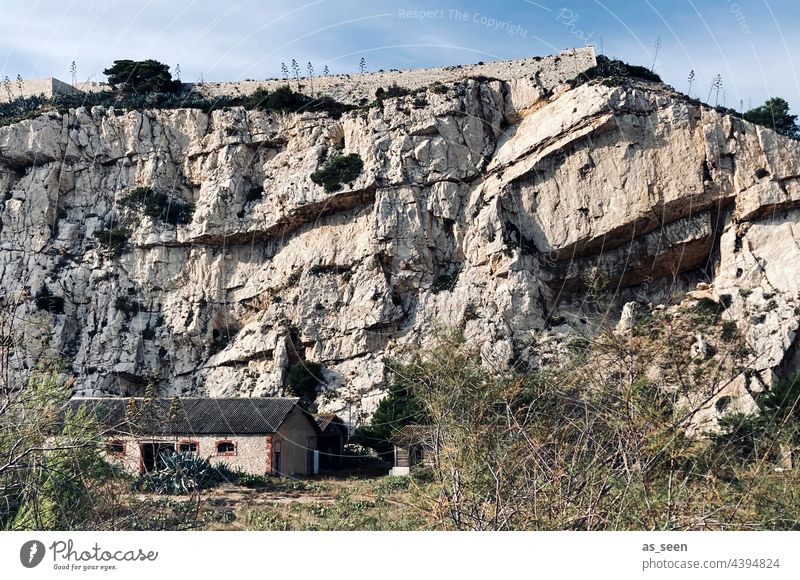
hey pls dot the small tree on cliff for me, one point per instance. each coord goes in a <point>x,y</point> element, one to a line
<point>141,77</point>
<point>775,114</point>
<point>304,379</point>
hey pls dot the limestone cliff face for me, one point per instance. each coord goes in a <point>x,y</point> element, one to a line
<point>482,207</point>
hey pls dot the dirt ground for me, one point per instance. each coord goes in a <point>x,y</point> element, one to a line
<point>365,501</point>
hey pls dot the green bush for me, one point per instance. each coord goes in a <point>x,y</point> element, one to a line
<point>114,241</point>
<point>223,473</point>
<point>338,169</point>
<point>286,100</point>
<point>294,277</point>
<point>444,282</point>
<point>22,108</point>
<point>160,206</point>
<point>304,378</point>
<point>392,92</point>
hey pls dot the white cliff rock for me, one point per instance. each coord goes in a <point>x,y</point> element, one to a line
<point>483,207</point>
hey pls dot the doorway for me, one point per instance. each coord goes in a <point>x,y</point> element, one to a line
<point>153,455</point>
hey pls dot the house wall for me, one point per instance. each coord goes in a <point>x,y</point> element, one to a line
<point>296,437</point>
<point>250,454</point>
<point>401,458</point>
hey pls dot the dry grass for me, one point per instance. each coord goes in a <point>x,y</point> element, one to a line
<point>370,503</point>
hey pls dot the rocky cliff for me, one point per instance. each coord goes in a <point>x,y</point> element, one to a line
<point>485,203</point>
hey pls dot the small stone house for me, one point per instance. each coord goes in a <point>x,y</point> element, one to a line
<point>258,435</point>
<point>414,446</point>
<point>333,434</point>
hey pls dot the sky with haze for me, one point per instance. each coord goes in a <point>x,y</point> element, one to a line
<point>752,44</point>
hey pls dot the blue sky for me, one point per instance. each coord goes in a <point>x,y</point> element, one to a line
<point>749,42</point>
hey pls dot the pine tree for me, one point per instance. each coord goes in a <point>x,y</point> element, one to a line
<point>775,114</point>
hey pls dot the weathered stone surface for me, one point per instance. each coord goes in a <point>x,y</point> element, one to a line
<point>483,207</point>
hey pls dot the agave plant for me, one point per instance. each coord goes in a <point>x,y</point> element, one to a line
<point>182,473</point>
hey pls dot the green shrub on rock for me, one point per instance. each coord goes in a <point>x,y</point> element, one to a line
<point>114,241</point>
<point>160,206</point>
<point>338,169</point>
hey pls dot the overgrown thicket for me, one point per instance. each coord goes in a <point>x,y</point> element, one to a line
<point>53,473</point>
<point>600,443</point>
<point>49,467</point>
<point>400,407</point>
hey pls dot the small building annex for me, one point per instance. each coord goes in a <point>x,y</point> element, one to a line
<point>258,435</point>
<point>333,434</point>
<point>414,446</point>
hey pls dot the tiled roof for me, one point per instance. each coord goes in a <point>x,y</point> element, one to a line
<point>414,435</point>
<point>325,419</point>
<point>189,415</point>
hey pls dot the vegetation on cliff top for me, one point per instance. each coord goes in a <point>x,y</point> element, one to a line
<point>774,114</point>
<point>614,71</point>
<point>148,84</point>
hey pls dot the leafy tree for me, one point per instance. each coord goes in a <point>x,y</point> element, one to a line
<point>775,114</point>
<point>141,77</point>
<point>400,407</point>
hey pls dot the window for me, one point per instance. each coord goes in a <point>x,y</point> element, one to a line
<point>226,448</point>
<point>188,446</point>
<point>115,447</point>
